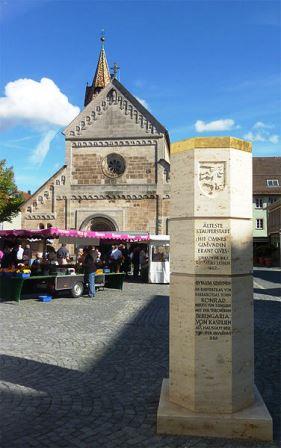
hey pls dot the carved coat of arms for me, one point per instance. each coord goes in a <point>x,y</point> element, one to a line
<point>211,177</point>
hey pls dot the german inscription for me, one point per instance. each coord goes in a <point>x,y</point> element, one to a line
<point>213,316</point>
<point>212,245</point>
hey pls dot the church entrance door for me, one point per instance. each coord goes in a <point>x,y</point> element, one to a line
<point>99,224</point>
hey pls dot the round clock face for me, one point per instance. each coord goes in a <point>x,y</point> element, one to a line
<point>113,165</point>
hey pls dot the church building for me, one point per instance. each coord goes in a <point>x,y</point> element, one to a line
<point>116,172</point>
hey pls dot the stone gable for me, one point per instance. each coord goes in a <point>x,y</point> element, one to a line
<point>40,208</point>
<point>112,114</point>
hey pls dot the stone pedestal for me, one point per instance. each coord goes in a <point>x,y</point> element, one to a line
<point>210,390</point>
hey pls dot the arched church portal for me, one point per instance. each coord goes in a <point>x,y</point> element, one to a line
<point>99,224</point>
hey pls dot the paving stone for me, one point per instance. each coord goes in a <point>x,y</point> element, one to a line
<point>81,373</point>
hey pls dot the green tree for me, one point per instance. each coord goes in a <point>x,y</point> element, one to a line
<point>10,198</point>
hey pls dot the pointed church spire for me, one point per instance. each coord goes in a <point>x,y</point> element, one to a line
<point>102,75</point>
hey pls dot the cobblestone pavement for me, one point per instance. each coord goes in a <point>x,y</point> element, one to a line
<point>87,373</point>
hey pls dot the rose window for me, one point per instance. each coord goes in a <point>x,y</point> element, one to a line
<point>113,165</point>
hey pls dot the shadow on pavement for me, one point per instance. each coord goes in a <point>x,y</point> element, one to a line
<point>271,276</point>
<point>113,402</point>
<point>275,292</point>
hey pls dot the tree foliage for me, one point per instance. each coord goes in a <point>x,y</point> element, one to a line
<point>10,198</point>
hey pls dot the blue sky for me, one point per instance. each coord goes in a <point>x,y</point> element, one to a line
<point>202,67</point>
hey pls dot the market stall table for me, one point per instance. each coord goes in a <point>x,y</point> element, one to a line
<point>12,288</point>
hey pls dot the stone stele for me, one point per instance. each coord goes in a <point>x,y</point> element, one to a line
<point>210,390</point>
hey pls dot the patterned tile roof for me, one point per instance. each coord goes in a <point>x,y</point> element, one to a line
<point>102,75</point>
<point>264,169</point>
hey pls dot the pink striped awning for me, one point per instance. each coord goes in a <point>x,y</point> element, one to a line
<point>54,232</point>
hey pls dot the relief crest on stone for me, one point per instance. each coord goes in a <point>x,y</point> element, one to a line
<point>211,177</point>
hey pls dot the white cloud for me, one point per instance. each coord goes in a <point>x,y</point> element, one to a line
<point>258,137</point>
<point>217,125</point>
<point>42,149</point>
<point>262,125</point>
<point>260,133</point>
<point>274,139</point>
<point>143,102</point>
<point>35,103</point>
<point>262,136</point>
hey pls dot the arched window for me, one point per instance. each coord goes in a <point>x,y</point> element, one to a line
<point>99,223</point>
<point>41,226</point>
<point>49,225</point>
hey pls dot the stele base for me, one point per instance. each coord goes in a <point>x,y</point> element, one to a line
<point>253,422</point>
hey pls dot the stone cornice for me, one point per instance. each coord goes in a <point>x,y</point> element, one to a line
<point>112,196</point>
<point>41,216</point>
<point>211,142</point>
<point>102,197</point>
<point>80,143</point>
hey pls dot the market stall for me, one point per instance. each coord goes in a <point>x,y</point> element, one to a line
<point>159,259</point>
<point>75,236</point>
<point>14,284</point>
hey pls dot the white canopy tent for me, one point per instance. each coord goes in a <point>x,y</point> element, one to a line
<point>159,259</point>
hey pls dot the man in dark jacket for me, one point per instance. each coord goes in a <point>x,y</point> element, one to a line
<point>63,254</point>
<point>90,268</point>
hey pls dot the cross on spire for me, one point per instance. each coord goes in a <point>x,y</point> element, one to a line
<point>115,69</point>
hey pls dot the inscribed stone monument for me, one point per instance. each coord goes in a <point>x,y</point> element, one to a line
<point>210,390</point>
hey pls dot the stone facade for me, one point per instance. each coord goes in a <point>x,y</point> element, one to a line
<point>116,174</point>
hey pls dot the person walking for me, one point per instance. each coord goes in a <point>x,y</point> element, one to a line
<point>90,268</point>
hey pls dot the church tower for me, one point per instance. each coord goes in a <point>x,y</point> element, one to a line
<point>101,78</point>
<point>116,174</point>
